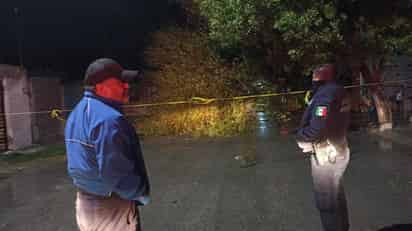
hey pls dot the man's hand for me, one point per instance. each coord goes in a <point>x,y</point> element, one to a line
<point>306,147</point>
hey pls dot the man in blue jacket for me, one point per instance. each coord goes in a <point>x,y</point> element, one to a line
<point>322,132</point>
<point>104,156</point>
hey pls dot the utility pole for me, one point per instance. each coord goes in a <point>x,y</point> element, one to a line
<point>19,34</point>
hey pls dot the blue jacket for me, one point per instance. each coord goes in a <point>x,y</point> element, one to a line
<point>103,151</point>
<point>326,117</point>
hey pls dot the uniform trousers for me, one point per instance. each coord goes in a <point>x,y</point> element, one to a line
<point>329,192</point>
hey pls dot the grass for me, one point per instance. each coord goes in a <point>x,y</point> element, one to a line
<point>215,120</point>
<point>222,119</point>
<point>48,151</point>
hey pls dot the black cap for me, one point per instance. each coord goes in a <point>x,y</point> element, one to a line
<point>104,68</point>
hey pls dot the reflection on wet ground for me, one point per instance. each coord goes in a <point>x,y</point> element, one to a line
<point>197,185</point>
<point>266,126</point>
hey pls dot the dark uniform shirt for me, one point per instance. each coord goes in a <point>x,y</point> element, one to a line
<point>326,117</point>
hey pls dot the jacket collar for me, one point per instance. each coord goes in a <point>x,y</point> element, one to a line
<point>112,103</point>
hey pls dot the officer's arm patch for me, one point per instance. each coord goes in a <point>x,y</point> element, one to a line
<point>321,111</point>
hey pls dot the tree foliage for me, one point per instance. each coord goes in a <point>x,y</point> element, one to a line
<point>292,36</point>
<point>186,68</point>
<point>183,67</point>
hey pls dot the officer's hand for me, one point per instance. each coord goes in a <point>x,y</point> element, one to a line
<point>306,146</point>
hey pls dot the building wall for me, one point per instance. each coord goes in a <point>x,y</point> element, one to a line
<point>46,95</point>
<point>16,100</point>
<point>73,92</point>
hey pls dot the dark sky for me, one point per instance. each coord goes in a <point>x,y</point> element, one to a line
<point>66,36</point>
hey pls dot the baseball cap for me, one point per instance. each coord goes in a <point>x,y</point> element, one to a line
<point>104,68</point>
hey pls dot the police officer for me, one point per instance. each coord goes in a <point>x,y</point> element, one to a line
<point>322,132</point>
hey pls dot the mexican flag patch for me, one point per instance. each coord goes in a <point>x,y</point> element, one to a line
<point>321,111</point>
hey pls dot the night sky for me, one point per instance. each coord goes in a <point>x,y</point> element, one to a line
<point>65,36</point>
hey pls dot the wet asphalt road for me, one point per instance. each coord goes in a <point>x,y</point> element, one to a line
<point>197,185</point>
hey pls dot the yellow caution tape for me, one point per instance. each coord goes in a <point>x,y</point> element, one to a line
<point>57,114</point>
<point>200,100</point>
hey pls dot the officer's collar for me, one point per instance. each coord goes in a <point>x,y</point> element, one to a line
<point>112,103</point>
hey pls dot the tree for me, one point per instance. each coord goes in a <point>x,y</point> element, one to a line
<point>291,37</point>
<point>185,67</point>
<point>373,30</point>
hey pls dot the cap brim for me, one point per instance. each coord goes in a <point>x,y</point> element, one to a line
<point>130,75</point>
